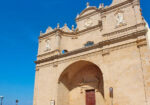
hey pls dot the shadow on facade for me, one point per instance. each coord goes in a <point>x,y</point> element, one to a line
<point>78,78</point>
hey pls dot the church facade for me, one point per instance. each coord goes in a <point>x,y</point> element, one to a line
<point>105,60</point>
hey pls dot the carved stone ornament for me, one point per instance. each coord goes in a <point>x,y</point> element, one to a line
<point>119,18</point>
<point>88,22</point>
<point>66,28</point>
<point>47,45</point>
<point>49,29</point>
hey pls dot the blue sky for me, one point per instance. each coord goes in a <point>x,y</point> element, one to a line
<point>20,25</point>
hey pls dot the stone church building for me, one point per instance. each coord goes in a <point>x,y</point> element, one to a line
<point>105,60</point>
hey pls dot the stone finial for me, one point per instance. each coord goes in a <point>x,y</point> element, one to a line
<point>87,5</point>
<point>65,24</point>
<point>41,33</point>
<point>101,5</point>
<point>58,26</point>
<point>77,16</point>
<point>72,27</point>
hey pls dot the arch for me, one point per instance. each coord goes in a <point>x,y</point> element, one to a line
<point>76,79</point>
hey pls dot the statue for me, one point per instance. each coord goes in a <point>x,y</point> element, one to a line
<point>87,4</point>
<point>47,45</point>
<point>119,18</point>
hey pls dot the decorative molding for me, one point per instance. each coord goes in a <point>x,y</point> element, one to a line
<point>112,37</point>
<point>116,5</point>
<point>99,45</point>
<point>55,64</point>
<point>72,34</point>
<point>101,10</point>
<point>74,37</point>
<point>135,3</point>
<point>120,25</point>
<point>84,56</point>
<point>141,41</point>
<point>49,29</point>
<point>87,15</point>
<point>124,30</point>
<point>48,53</point>
<point>109,36</point>
<point>88,22</point>
<point>105,52</point>
<point>87,9</point>
<point>50,33</point>
<point>105,9</point>
<point>65,28</point>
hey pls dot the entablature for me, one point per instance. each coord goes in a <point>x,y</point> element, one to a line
<point>93,24</point>
<point>100,45</point>
<point>71,34</point>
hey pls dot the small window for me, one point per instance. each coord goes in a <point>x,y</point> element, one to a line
<point>89,43</point>
<point>64,51</point>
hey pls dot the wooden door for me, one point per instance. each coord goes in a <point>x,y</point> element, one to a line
<point>90,97</point>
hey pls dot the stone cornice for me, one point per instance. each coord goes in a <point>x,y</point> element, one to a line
<point>116,6</point>
<point>72,34</point>
<point>124,30</point>
<point>102,51</point>
<point>101,10</point>
<point>89,8</point>
<point>89,14</point>
<point>50,33</point>
<point>141,41</point>
<point>48,53</point>
<point>99,45</point>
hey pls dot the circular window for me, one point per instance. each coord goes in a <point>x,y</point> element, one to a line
<point>64,51</point>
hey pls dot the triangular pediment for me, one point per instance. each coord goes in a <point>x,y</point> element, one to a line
<point>66,29</point>
<point>88,11</point>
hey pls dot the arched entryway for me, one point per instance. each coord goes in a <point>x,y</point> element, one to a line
<point>81,83</point>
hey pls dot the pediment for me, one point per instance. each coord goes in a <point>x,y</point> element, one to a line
<point>87,11</point>
<point>49,29</point>
<point>66,29</point>
<point>114,2</point>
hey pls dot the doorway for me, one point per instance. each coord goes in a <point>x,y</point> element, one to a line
<point>78,80</point>
<point>90,97</point>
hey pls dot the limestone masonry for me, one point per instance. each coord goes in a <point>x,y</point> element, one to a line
<point>105,60</point>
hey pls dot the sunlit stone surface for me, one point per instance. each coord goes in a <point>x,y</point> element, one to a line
<point>108,50</point>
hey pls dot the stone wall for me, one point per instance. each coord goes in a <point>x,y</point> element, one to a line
<point>120,53</point>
